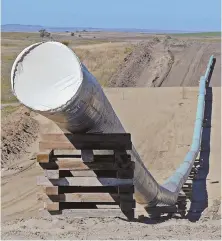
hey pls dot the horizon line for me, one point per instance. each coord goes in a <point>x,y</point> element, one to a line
<point>110,28</point>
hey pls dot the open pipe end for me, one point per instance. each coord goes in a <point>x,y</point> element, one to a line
<point>45,76</point>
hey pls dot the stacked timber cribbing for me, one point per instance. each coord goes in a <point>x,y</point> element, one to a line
<point>85,180</point>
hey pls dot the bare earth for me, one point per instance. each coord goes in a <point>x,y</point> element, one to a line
<point>162,135</point>
<point>161,122</point>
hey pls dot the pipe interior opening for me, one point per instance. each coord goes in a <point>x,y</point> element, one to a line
<point>46,76</point>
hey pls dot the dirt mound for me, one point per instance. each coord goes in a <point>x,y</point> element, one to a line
<point>19,130</point>
<point>174,42</point>
<point>148,65</point>
<point>132,66</point>
<point>168,62</point>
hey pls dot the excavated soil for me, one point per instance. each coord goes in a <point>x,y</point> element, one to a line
<point>168,62</point>
<point>147,65</point>
<point>18,132</point>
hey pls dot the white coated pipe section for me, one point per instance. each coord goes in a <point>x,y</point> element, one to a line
<point>49,79</point>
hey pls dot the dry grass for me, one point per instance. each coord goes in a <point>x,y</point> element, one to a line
<point>77,42</point>
<point>65,42</point>
<point>19,35</point>
<point>103,61</point>
<point>102,58</point>
<point>11,45</point>
<point>7,60</point>
<point>7,110</point>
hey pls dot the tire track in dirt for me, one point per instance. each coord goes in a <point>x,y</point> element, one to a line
<point>193,66</point>
<point>7,175</point>
<point>190,64</point>
<point>19,194</point>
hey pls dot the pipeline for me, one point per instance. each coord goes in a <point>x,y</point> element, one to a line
<point>176,181</point>
<point>49,79</point>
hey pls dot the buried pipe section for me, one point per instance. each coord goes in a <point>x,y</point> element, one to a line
<point>49,78</point>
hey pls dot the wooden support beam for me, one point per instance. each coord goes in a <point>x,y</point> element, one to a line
<point>51,174</point>
<point>44,145</point>
<point>51,190</point>
<point>44,156</point>
<point>85,197</point>
<point>82,181</point>
<point>55,174</point>
<point>93,189</point>
<point>55,190</point>
<point>52,206</point>
<point>113,141</point>
<point>73,164</point>
<point>96,158</point>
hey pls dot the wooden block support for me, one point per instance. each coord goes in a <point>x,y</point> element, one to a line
<point>52,206</point>
<point>45,156</point>
<point>70,181</point>
<point>84,197</point>
<point>86,141</point>
<point>55,174</point>
<point>51,190</point>
<point>75,164</point>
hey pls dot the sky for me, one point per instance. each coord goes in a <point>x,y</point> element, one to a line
<point>186,15</point>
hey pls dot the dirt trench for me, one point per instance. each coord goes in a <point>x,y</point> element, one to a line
<point>168,62</point>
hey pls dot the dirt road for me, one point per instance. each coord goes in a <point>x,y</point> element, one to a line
<point>162,133</point>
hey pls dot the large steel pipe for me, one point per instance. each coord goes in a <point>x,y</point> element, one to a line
<point>49,79</point>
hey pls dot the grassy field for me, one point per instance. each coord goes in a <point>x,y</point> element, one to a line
<point>101,57</point>
<point>7,60</point>
<point>202,34</point>
<point>103,61</point>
